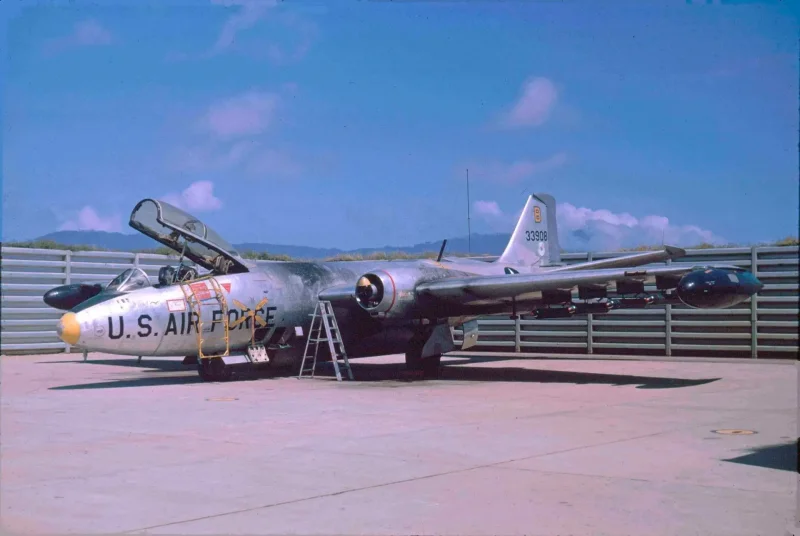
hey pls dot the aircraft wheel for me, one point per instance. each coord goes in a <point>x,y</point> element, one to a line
<point>414,355</point>
<point>214,370</point>
<point>417,365</point>
<point>431,366</point>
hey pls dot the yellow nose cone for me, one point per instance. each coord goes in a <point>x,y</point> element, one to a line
<point>68,328</point>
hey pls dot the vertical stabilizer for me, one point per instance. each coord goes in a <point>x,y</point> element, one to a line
<point>534,241</point>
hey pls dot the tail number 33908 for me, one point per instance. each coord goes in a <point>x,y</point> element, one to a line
<point>536,236</point>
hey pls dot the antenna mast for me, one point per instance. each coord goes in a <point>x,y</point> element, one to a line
<point>469,228</point>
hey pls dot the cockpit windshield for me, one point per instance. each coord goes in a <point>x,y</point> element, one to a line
<point>186,234</point>
<point>130,279</point>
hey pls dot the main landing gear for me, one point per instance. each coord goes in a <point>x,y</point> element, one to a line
<point>418,366</point>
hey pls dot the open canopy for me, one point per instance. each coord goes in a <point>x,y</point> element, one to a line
<point>178,230</point>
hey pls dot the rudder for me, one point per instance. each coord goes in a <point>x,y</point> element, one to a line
<point>534,242</point>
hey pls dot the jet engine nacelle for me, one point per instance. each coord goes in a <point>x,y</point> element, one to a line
<point>386,293</point>
<point>714,288</point>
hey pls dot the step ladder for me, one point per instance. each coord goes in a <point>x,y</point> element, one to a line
<point>195,303</point>
<point>323,318</point>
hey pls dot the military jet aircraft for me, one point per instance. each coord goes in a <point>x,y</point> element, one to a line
<point>241,312</point>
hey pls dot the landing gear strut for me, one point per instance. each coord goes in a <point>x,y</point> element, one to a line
<point>427,367</point>
<point>214,370</point>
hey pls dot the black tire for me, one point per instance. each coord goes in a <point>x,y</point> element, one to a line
<point>214,370</point>
<point>431,366</point>
<point>414,355</point>
<point>428,367</point>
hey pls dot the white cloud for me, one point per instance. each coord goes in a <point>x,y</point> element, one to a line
<point>305,33</point>
<point>577,218</point>
<point>493,216</point>
<point>198,197</point>
<point>247,16</point>
<point>248,156</point>
<point>585,229</point>
<point>88,32</point>
<point>518,170</point>
<point>209,157</point>
<point>537,98</point>
<point>488,208</point>
<point>235,134</point>
<point>88,220</point>
<point>239,33</point>
<point>91,32</point>
<point>248,114</point>
<point>273,162</point>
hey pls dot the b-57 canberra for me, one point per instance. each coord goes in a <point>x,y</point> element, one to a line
<point>239,311</point>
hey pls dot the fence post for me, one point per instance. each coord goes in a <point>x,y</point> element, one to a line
<point>517,338</point>
<point>668,325</point>
<point>668,330</point>
<point>754,306</point>
<point>68,267</point>
<point>589,334</point>
<point>68,280</point>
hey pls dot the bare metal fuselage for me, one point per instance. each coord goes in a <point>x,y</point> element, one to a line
<point>157,321</point>
<point>381,307</point>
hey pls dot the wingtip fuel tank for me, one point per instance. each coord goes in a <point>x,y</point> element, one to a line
<point>717,288</point>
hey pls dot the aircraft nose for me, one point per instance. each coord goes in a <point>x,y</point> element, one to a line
<point>68,328</point>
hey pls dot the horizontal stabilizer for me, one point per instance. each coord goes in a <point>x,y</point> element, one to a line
<point>626,261</point>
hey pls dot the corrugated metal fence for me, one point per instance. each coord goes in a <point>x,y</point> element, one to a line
<point>764,327</point>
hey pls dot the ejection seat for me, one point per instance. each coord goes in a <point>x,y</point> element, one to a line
<point>168,275</point>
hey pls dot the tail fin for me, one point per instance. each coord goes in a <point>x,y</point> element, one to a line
<point>534,241</point>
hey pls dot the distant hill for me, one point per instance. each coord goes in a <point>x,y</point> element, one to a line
<point>102,240</point>
<point>492,244</point>
<point>481,244</point>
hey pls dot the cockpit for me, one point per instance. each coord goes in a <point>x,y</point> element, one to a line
<point>129,280</point>
<point>181,232</point>
<point>188,236</point>
<point>168,275</point>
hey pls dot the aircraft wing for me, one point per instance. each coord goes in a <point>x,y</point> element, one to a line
<point>519,286</point>
<point>626,261</point>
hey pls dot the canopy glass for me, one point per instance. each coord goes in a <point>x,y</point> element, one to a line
<point>186,234</point>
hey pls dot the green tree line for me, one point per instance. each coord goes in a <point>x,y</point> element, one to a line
<point>379,255</point>
<point>788,241</point>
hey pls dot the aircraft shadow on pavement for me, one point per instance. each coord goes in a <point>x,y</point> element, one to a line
<point>386,372</point>
<point>146,381</point>
<point>783,456</point>
<point>367,372</point>
<point>148,365</point>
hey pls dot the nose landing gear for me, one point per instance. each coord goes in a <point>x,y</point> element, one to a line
<point>215,370</point>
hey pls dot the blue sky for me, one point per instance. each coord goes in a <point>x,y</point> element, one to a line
<point>352,124</point>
